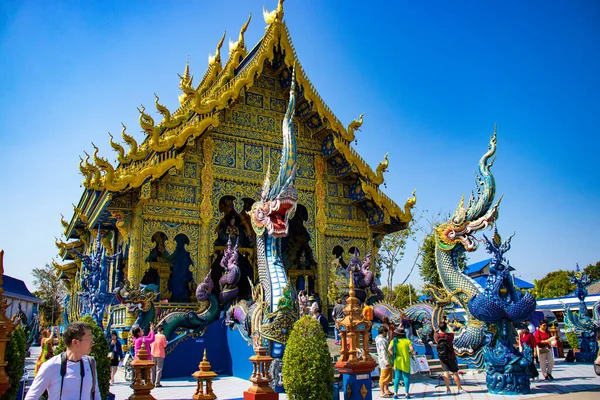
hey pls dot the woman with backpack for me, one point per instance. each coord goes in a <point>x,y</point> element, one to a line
<point>401,349</point>
<point>444,337</point>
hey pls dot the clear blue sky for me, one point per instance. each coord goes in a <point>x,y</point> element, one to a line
<point>431,77</point>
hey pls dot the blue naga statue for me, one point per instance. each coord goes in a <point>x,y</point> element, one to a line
<point>500,305</point>
<point>582,323</point>
<point>95,296</point>
<point>267,321</point>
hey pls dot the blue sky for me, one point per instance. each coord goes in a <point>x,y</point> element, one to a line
<point>431,77</point>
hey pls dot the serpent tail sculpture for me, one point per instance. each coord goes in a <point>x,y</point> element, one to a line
<point>418,315</point>
<point>501,304</point>
<point>228,282</point>
<point>581,323</point>
<point>457,235</point>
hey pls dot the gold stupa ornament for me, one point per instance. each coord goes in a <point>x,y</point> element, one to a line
<point>354,330</point>
<point>204,376</point>
<point>142,383</point>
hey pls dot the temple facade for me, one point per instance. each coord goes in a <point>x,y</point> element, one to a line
<point>171,203</point>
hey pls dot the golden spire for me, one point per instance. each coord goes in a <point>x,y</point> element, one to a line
<point>240,45</point>
<point>275,15</point>
<point>216,59</point>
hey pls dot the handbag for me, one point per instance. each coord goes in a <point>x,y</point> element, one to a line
<point>414,365</point>
<point>111,355</point>
<point>543,350</point>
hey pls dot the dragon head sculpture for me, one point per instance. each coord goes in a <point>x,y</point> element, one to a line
<point>478,215</point>
<point>278,201</point>
<point>136,299</point>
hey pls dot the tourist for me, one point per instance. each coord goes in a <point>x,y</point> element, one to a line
<point>158,356</point>
<point>301,302</point>
<point>337,314</point>
<point>47,351</point>
<point>444,337</point>
<point>71,374</point>
<point>322,320</point>
<point>545,352</point>
<point>401,349</point>
<point>385,321</point>
<point>115,355</point>
<point>138,339</point>
<point>527,338</point>
<point>385,364</point>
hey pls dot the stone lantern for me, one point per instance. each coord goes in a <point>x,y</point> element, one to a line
<point>142,383</point>
<point>260,378</point>
<point>6,327</point>
<point>204,376</point>
<point>355,366</point>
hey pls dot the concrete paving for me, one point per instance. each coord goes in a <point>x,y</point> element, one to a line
<point>572,381</point>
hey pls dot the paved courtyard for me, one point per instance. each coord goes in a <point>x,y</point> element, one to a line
<point>572,381</point>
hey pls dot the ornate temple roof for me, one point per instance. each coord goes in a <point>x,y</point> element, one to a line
<point>200,105</point>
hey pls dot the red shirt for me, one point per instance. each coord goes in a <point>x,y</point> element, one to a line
<point>528,339</point>
<point>539,336</point>
<point>450,336</point>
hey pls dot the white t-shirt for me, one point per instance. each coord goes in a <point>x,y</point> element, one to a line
<point>48,378</point>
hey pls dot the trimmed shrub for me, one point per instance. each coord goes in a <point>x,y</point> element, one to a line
<point>100,350</point>
<point>16,349</point>
<point>307,367</point>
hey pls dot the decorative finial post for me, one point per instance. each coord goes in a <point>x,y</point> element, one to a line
<point>204,376</point>
<point>6,327</point>
<point>142,383</point>
<point>260,378</point>
<point>356,369</point>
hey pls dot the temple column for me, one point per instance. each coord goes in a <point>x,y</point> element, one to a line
<point>206,210</point>
<point>134,266</point>
<point>321,284</point>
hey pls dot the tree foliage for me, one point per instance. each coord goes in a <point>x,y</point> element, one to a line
<point>392,251</point>
<point>593,271</point>
<point>16,350</point>
<point>100,350</point>
<point>554,284</point>
<point>307,369</point>
<point>401,295</point>
<point>51,291</point>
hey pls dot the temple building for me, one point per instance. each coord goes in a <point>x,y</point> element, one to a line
<point>169,206</point>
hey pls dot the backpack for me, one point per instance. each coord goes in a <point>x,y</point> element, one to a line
<point>443,349</point>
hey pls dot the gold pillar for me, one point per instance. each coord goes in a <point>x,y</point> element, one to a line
<point>322,278</point>
<point>134,267</point>
<point>206,209</point>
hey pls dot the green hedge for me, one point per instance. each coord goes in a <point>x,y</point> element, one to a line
<point>307,367</point>
<point>16,350</point>
<point>573,340</point>
<point>100,351</point>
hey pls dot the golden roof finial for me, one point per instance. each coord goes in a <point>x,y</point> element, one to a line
<point>240,45</point>
<point>217,57</point>
<point>275,15</point>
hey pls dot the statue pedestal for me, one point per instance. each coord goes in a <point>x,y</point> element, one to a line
<point>357,386</point>
<point>508,383</point>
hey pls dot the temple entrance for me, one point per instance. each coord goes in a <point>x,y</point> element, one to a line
<point>181,284</point>
<point>159,260</point>
<point>298,256</point>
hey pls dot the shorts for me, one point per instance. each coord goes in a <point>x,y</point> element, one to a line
<point>114,362</point>
<point>450,366</point>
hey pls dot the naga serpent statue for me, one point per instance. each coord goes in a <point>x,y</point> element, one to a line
<point>141,301</point>
<point>138,300</point>
<point>228,282</point>
<point>500,305</point>
<point>454,237</point>
<point>581,323</point>
<point>268,320</point>
<point>364,279</point>
<point>94,296</point>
